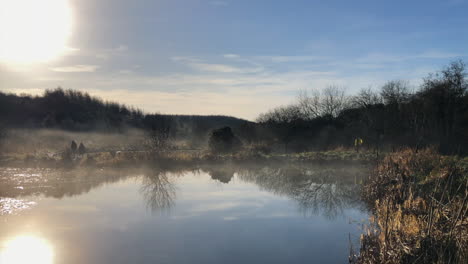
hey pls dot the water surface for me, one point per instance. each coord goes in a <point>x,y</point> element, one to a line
<point>211,214</point>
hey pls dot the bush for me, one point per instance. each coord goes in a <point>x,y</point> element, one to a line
<point>222,140</point>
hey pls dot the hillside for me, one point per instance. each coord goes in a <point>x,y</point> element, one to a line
<point>78,111</point>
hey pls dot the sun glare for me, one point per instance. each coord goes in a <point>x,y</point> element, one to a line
<point>26,249</point>
<point>33,31</point>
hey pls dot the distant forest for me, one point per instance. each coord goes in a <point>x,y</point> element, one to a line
<point>78,111</point>
<point>434,114</point>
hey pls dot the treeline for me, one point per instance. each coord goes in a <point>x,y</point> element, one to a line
<point>65,109</point>
<point>434,114</point>
<point>73,110</point>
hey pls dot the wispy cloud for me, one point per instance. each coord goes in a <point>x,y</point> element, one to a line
<point>200,65</point>
<point>110,52</point>
<point>282,59</point>
<point>76,68</point>
<point>439,55</point>
<point>232,84</point>
<point>385,57</point>
<point>222,68</point>
<point>231,56</point>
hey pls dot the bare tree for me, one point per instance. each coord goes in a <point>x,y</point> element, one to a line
<point>366,98</point>
<point>158,134</point>
<point>444,95</point>
<point>455,76</point>
<point>328,102</point>
<point>283,114</point>
<point>334,100</point>
<point>395,92</point>
<point>157,139</point>
<point>310,104</point>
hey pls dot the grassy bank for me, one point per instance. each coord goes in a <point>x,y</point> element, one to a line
<point>125,158</point>
<point>419,201</point>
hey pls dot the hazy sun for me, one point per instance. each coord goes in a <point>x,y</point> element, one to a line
<point>33,30</point>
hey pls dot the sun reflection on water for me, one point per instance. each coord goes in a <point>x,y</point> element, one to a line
<point>26,249</point>
<point>11,205</point>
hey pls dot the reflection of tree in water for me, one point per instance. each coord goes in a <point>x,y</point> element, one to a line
<point>158,190</point>
<point>57,183</point>
<point>328,199</point>
<point>222,174</point>
<point>323,190</point>
<point>319,190</point>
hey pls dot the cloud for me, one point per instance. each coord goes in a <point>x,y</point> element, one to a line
<point>240,85</point>
<point>240,94</point>
<point>184,59</point>
<point>439,55</point>
<point>231,56</point>
<point>110,52</point>
<point>384,57</point>
<point>230,218</point>
<point>214,67</point>
<point>282,59</point>
<point>221,68</point>
<point>76,68</point>
<point>199,65</point>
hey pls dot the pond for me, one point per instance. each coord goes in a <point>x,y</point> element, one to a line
<point>225,213</point>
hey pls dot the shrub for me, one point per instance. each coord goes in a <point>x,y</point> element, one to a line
<point>223,140</point>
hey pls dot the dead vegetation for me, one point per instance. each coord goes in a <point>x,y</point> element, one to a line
<point>419,201</point>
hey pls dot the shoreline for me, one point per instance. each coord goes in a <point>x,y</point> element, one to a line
<point>129,158</point>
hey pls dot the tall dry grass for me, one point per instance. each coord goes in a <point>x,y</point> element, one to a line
<point>419,201</point>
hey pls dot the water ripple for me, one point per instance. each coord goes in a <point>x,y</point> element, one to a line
<point>12,206</point>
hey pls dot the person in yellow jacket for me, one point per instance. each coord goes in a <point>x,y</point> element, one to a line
<point>358,143</point>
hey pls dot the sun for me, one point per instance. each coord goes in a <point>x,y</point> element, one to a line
<point>33,30</point>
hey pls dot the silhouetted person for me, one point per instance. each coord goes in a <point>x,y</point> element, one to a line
<point>73,146</point>
<point>81,149</point>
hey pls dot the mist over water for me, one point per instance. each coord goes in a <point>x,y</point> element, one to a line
<point>233,131</point>
<point>219,213</point>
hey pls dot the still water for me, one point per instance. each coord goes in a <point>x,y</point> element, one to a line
<point>211,214</point>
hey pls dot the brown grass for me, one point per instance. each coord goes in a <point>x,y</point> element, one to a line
<point>419,201</point>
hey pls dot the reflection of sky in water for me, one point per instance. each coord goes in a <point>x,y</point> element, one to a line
<point>207,222</point>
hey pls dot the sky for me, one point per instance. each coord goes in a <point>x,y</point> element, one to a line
<point>238,57</point>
